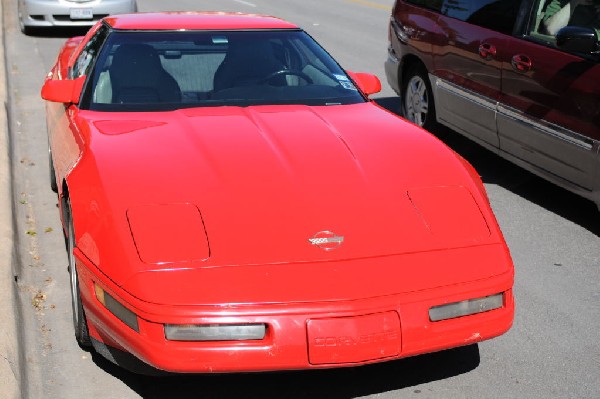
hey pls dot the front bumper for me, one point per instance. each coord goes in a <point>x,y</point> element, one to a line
<point>44,13</point>
<point>289,343</point>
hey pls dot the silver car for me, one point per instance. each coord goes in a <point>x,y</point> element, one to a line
<point>69,13</point>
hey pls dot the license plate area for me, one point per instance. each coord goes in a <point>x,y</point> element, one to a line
<point>81,13</point>
<point>353,339</point>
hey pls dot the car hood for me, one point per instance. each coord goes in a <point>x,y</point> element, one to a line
<point>264,185</point>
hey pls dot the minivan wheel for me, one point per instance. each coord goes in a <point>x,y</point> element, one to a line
<point>79,322</point>
<point>417,101</point>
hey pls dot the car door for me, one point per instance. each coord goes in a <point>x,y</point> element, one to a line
<point>549,113</point>
<point>468,66</point>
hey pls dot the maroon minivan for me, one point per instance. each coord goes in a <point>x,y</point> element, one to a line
<point>501,74</point>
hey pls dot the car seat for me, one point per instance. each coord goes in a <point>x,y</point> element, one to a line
<point>246,63</point>
<point>137,76</point>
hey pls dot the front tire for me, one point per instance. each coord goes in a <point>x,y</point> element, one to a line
<point>417,98</point>
<point>79,321</point>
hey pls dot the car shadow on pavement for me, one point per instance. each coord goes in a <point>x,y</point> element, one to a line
<point>327,383</point>
<point>494,169</point>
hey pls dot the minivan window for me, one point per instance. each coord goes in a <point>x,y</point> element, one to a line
<point>546,18</point>
<point>497,15</point>
<point>434,5</point>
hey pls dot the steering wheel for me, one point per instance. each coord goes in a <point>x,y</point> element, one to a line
<point>286,72</point>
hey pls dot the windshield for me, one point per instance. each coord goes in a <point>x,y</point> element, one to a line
<point>151,71</point>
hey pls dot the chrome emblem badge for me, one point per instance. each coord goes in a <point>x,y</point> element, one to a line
<point>326,240</point>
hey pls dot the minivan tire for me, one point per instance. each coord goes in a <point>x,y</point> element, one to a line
<point>417,98</point>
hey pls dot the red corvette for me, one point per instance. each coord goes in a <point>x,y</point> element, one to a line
<point>233,201</point>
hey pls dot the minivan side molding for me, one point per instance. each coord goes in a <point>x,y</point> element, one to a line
<point>500,109</point>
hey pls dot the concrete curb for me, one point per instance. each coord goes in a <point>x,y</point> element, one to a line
<point>9,349</point>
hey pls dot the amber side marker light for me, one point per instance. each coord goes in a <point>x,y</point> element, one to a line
<point>215,332</point>
<point>465,308</point>
<point>115,307</point>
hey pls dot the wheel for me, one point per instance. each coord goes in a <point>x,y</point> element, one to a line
<point>53,184</point>
<point>287,72</point>
<point>417,100</point>
<point>79,322</point>
<point>27,30</point>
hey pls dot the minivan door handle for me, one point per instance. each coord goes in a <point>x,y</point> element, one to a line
<point>521,63</point>
<point>487,51</point>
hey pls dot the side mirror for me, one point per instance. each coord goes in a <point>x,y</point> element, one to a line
<point>577,39</point>
<point>366,82</point>
<point>63,91</point>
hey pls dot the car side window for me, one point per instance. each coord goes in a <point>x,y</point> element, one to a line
<point>84,61</point>
<point>550,16</point>
<point>497,15</point>
<point>435,5</point>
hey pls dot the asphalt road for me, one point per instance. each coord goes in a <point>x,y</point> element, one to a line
<point>553,350</point>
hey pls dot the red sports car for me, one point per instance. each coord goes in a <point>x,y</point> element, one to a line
<point>233,201</point>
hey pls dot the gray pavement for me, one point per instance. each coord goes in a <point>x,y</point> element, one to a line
<point>551,352</point>
<point>10,370</point>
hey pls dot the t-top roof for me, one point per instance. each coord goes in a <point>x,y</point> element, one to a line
<point>182,20</point>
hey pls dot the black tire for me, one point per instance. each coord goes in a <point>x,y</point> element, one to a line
<point>26,30</point>
<point>53,184</point>
<point>79,321</point>
<point>417,98</point>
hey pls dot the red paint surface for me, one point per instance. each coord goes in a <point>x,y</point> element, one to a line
<point>203,216</point>
<point>354,339</point>
<point>196,20</point>
<point>182,223</point>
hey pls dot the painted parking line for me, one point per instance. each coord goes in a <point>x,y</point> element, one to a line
<point>371,4</point>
